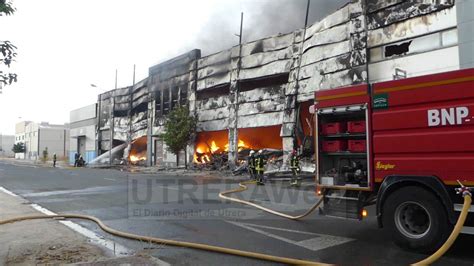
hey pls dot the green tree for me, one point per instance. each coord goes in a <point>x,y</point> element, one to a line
<point>7,49</point>
<point>6,8</point>
<point>19,147</point>
<point>179,128</point>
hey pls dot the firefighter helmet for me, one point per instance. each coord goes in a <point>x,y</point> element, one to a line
<point>252,152</point>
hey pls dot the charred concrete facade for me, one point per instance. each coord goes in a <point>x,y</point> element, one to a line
<point>262,89</point>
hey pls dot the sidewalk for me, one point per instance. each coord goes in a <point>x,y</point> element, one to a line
<point>49,242</point>
<point>59,164</point>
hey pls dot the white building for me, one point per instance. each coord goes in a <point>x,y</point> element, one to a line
<point>6,145</point>
<point>82,141</point>
<point>38,137</point>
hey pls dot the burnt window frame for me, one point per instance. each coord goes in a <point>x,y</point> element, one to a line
<point>441,45</point>
<point>183,95</point>
<point>166,101</point>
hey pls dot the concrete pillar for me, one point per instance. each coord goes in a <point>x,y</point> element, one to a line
<point>192,87</point>
<point>291,91</point>
<point>150,120</point>
<point>234,106</point>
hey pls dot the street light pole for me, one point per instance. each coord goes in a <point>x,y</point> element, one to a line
<point>112,123</point>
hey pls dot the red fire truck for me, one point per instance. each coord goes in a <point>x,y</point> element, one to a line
<point>399,145</point>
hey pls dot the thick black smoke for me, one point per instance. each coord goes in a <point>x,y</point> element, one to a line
<point>262,18</point>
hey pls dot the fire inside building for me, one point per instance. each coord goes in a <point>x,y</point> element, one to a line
<point>257,95</point>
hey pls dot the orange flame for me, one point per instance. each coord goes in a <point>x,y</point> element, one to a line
<point>135,158</point>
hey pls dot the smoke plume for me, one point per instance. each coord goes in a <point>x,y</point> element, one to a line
<point>262,18</point>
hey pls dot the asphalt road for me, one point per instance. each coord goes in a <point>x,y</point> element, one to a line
<point>188,208</point>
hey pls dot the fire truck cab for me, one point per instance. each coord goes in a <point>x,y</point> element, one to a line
<point>401,145</point>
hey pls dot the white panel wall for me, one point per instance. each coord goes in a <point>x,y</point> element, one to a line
<point>84,113</point>
<point>55,140</point>
<point>416,65</point>
<point>88,132</point>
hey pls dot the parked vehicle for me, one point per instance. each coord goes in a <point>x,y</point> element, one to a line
<point>400,145</point>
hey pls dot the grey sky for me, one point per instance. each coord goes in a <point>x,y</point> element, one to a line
<point>66,45</point>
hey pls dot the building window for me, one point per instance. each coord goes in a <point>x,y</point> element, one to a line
<point>158,106</point>
<point>417,45</point>
<point>174,97</point>
<point>166,101</point>
<point>183,95</point>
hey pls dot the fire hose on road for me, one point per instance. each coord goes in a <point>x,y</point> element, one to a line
<point>466,193</point>
<point>242,187</point>
<point>230,251</point>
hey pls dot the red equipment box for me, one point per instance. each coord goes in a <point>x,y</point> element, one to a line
<point>334,145</point>
<point>333,128</point>
<point>356,126</point>
<point>357,145</point>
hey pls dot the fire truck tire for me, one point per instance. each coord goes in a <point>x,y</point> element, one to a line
<point>416,219</point>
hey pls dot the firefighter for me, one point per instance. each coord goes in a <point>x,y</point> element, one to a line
<point>251,164</point>
<point>295,168</point>
<point>260,167</point>
<point>80,161</point>
<point>54,159</point>
<point>76,159</point>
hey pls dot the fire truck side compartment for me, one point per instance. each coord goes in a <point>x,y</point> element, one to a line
<point>421,134</point>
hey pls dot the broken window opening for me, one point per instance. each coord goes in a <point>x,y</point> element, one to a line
<point>166,101</point>
<point>397,49</point>
<point>140,108</point>
<point>183,96</point>
<point>158,105</point>
<point>247,85</point>
<point>174,97</point>
<point>120,113</point>
<point>213,92</point>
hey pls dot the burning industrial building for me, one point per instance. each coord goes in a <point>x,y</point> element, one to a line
<point>257,95</point>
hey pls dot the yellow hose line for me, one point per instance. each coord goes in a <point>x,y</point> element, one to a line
<point>454,234</point>
<point>243,187</point>
<point>162,241</point>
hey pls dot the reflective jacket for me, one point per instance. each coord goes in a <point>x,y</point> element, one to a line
<point>260,163</point>
<point>294,162</point>
<point>251,161</point>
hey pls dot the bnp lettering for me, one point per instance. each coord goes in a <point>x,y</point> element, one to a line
<point>448,116</point>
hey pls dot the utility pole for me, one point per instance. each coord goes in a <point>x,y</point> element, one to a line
<point>234,91</point>
<point>297,85</point>
<point>129,137</point>
<point>112,123</point>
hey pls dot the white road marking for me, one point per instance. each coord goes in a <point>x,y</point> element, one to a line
<point>110,179</point>
<point>467,230</point>
<point>120,251</point>
<point>167,187</point>
<point>316,243</point>
<point>84,191</point>
<point>6,191</point>
<point>458,208</point>
<point>269,203</point>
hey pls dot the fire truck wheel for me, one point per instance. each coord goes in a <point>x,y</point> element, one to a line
<point>416,219</point>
